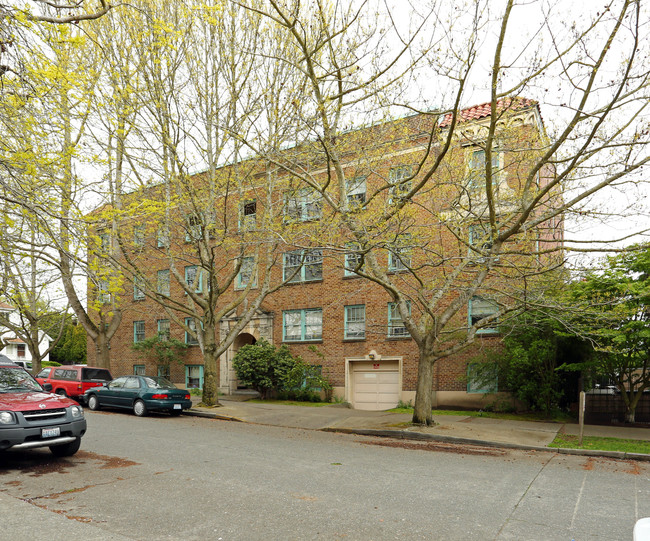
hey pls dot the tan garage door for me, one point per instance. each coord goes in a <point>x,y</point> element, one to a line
<point>375,386</point>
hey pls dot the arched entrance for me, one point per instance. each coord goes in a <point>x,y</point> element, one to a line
<point>260,326</point>
<point>244,339</point>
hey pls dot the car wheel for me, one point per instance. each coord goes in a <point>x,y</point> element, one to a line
<point>67,449</point>
<point>139,408</point>
<point>61,392</point>
<point>175,413</point>
<point>93,402</point>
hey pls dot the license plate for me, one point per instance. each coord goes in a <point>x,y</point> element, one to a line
<point>50,432</point>
<point>177,406</point>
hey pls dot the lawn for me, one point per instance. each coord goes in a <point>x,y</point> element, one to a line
<point>555,418</point>
<point>601,444</point>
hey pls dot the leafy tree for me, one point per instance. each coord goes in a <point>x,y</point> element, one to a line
<point>161,350</point>
<point>265,368</point>
<point>614,312</point>
<point>71,349</point>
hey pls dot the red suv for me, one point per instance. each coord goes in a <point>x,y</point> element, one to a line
<point>74,380</point>
<point>32,418</point>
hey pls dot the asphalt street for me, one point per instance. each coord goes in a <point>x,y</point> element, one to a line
<point>194,478</point>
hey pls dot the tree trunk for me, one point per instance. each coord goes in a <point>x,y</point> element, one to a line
<point>102,352</point>
<point>424,391</point>
<point>211,372</point>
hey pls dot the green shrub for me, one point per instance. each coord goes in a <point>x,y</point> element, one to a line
<point>272,371</point>
<point>263,367</point>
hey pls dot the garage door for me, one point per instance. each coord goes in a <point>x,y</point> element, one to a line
<point>375,386</point>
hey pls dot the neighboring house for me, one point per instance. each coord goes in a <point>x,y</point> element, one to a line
<point>326,313</point>
<point>15,348</point>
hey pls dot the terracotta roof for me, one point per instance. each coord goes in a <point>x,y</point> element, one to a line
<point>5,306</point>
<point>483,110</point>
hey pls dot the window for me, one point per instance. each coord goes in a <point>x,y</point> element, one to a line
<point>303,266</point>
<point>480,308</point>
<point>400,181</point>
<point>162,282</point>
<point>190,337</point>
<point>356,190</point>
<point>353,260</point>
<point>193,376</point>
<point>302,205</point>
<point>132,383</point>
<point>162,237</point>
<point>246,273</point>
<point>399,255</point>
<point>138,331</point>
<point>194,228</point>
<point>138,370</point>
<point>138,288</point>
<point>194,278</point>
<point>477,168</point>
<point>355,321</point>
<point>396,327</point>
<point>164,371</point>
<point>482,378</point>
<point>479,237</point>
<point>105,242</point>
<point>138,236</point>
<point>248,215</point>
<point>302,325</point>
<point>21,351</point>
<point>163,329</point>
<point>103,294</point>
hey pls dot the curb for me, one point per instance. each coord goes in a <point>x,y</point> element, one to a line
<point>209,415</point>
<point>420,436</point>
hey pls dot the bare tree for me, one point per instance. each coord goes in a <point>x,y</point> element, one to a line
<point>493,170</point>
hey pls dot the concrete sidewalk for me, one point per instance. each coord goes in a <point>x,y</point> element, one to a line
<point>449,428</point>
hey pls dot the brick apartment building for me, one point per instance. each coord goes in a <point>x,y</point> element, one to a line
<point>323,310</point>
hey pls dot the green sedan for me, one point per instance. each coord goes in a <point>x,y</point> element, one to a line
<point>142,394</point>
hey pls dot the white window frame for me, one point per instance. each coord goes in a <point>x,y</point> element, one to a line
<point>138,331</point>
<point>476,168</point>
<point>138,288</point>
<point>399,254</point>
<point>396,327</point>
<point>163,328</point>
<point>482,378</point>
<point>163,282</point>
<point>356,190</point>
<point>400,181</point>
<point>354,318</point>
<point>303,205</point>
<point>248,215</point>
<point>303,330</point>
<point>197,280</point>
<point>247,272</point>
<point>310,263</point>
<point>190,339</point>
<point>479,308</point>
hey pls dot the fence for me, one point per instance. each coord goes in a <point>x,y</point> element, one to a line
<point>604,409</point>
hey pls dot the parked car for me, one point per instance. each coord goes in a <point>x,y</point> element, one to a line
<point>74,380</point>
<point>141,394</point>
<point>24,364</point>
<point>31,418</point>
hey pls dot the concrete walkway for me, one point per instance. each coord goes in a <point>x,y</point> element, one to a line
<point>449,428</point>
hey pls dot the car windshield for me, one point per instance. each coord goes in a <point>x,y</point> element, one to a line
<point>158,383</point>
<point>16,379</point>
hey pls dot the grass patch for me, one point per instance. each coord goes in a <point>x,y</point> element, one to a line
<point>601,444</point>
<point>556,418</point>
